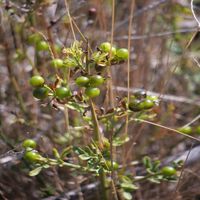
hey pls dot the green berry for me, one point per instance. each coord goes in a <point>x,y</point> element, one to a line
<point>32,156</point>
<point>57,63</point>
<point>92,92</point>
<point>29,143</point>
<point>136,106</point>
<point>168,171</point>
<point>42,46</point>
<point>113,52</point>
<point>36,81</point>
<point>185,129</point>
<point>40,92</point>
<point>147,104</point>
<point>82,81</point>
<point>122,54</point>
<point>34,38</point>
<point>197,130</point>
<point>62,92</point>
<point>105,47</point>
<point>96,80</point>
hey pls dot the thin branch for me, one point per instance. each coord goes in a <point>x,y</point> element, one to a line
<point>165,127</point>
<point>194,120</point>
<point>161,34</point>
<point>194,15</point>
<point>182,173</point>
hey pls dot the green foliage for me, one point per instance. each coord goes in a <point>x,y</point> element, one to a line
<point>87,72</point>
<point>156,174</point>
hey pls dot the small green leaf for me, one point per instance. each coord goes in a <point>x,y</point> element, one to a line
<point>76,106</point>
<point>154,180</point>
<point>84,157</point>
<point>127,195</point>
<point>118,141</point>
<point>149,170</point>
<point>35,171</point>
<point>126,179</point>
<point>56,154</point>
<point>45,166</point>
<point>65,152</point>
<point>147,162</point>
<point>156,166</point>
<point>129,186</point>
<point>78,150</point>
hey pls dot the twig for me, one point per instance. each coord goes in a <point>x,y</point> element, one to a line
<point>165,127</point>
<point>194,15</point>
<point>181,175</point>
<point>161,34</point>
<point>70,19</point>
<point>191,122</point>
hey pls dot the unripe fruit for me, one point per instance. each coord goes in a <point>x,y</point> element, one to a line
<point>113,52</point>
<point>92,92</point>
<point>82,81</point>
<point>147,104</point>
<point>57,63</point>
<point>168,171</point>
<point>197,130</point>
<point>32,156</point>
<point>40,92</point>
<point>62,92</point>
<point>185,129</point>
<point>36,81</point>
<point>136,106</point>
<point>122,54</point>
<point>29,143</point>
<point>105,47</point>
<point>96,80</point>
<point>42,46</point>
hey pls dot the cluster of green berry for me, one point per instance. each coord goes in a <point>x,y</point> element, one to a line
<point>141,101</point>
<point>91,84</point>
<point>115,53</point>
<point>41,91</point>
<point>76,58</point>
<point>31,154</point>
